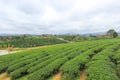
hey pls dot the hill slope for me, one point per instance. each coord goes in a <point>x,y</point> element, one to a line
<point>30,42</point>
<point>97,58</point>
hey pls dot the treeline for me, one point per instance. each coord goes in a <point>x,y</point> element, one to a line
<point>76,37</point>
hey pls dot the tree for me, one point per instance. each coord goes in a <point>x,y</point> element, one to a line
<point>115,34</point>
<point>112,33</point>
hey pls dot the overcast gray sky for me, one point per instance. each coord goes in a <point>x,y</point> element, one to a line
<point>58,16</point>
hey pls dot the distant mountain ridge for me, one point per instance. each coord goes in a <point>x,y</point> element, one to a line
<point>85,34</point>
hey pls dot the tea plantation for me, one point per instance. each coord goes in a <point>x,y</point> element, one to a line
<point>99,58</point>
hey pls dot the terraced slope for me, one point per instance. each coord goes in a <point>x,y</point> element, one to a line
<point>99,59</point>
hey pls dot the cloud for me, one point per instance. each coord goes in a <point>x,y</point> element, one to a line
<point>58,16</point>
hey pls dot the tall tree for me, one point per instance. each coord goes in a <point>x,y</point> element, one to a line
<point>112,33</point>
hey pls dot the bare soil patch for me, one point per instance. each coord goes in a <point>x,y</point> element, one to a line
<point>29,48</point>
<point>57,76</point>
<point>4,76</point>
<point>82,75</point>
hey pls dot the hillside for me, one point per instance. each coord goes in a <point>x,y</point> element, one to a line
<point>24,42</point>
<point>93,60</point>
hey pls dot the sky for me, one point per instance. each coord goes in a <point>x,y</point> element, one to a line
<point>59,16</point>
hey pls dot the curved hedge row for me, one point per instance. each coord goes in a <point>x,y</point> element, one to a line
<point>116,58</point>
<point>52,67</point>
<point>102,68</point>
<point>30,68</point>
<point>72,67</point>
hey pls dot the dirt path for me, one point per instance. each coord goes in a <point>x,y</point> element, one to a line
<point>29,48</point>
<point>10,51</point>
<point>82,75</point>
<point>57,76</point>
<point>4,77</point>
<point>64,40</point>
<point>9,48</point>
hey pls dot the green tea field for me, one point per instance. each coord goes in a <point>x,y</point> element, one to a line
<point>87,60</point>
